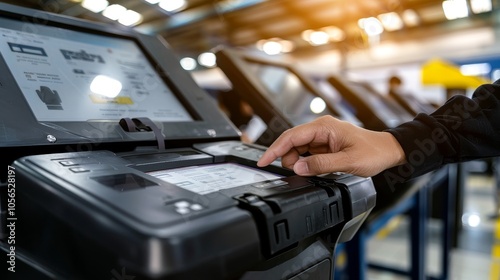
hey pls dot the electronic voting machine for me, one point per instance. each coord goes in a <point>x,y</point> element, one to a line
<point>118,166</point>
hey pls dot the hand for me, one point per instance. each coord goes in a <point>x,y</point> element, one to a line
<point>50,98</point>
<point>335,146</point>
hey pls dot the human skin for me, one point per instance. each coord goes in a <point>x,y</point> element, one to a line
<point>334,146</point>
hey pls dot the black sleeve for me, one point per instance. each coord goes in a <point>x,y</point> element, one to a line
<point>462,129</point>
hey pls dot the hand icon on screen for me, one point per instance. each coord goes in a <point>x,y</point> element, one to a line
<point>50,98</point>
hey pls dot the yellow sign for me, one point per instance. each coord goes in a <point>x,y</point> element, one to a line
<point>439,72</point>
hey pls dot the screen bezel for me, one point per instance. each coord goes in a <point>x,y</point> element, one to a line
<point>24,129</point>
<point>367,112</point>
<point>250,88</point>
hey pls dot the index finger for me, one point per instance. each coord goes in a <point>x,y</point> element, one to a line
<point>288,140</point>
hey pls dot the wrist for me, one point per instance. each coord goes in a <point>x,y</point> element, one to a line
<point>398,156</point>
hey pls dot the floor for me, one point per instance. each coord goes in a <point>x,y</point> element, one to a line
<point>477,254</point>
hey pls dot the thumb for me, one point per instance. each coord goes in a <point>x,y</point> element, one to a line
<point>321,164</point>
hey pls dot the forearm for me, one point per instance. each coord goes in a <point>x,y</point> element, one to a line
<point>462,129</point>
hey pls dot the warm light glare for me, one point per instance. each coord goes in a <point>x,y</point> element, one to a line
<point>286,46</point>
<point>391,21</point>
<point>411,18</point>
<point>317,105</point>
<point>129,18</point>
<point>95,6</point>
<point>207,59</point>
<point>336,34</point>
<point>480,6</point>
<point>172,5</point>
<point>260,44</point>
<point>114,11</point>
<point>188,63</point>
<point>454,9</point>
<point>318,38</point>
<point>106,86</point>
<point>371,26</point>
<point>272,47</point>
<point>306,35</point>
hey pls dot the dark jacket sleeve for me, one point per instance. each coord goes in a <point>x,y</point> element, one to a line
<point>462,129</point>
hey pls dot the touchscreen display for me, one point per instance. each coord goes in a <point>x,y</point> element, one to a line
<point>289,95</point>
<point>211,178</point>
<point>67,75</point>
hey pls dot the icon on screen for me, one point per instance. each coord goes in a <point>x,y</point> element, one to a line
<point>50,98</point>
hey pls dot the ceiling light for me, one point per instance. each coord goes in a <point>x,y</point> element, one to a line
<point>153,1</point>
<point>410,17</point>
<point>371,26</point>
<point>336,34</point>
<point>172,5</point>
<point>114,11</point>
<point>480,6</point>
<point>454,9</point>
<point>391,21</point>
<point>260,44</point>
<point>188,63</point>
<point>272,47</point>
<point>306,35</point>
<point>129,18</point>
<point>207,59</point>
<point>286,46</point>
<point>95,6</point>
<point>318,38</point>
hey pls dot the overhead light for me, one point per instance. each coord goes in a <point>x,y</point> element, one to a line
<point>188,63</point>
<point>95,6</point>
<point>172,5</point>
<point>207,59</point>
<point>335,34</point>
<point>318,38</point>
<point>454,9</point>
<point>286,46</point>
<point>391,21</point>
<point>323,36</point>
<point>130,17</point>
<point>260,44</point>
<point>372,26</point>
<point>272,47</point>
<point>275,46</point>
<point>480,6</point>
<point>153,1</point>
<point>114,11</point>
<point>306,35</point>
<point>410,18</point>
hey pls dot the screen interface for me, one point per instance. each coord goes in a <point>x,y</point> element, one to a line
<point>211,178</point>
<point>380,107</point>
<point>67,75</point>
<point>288,94</point>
